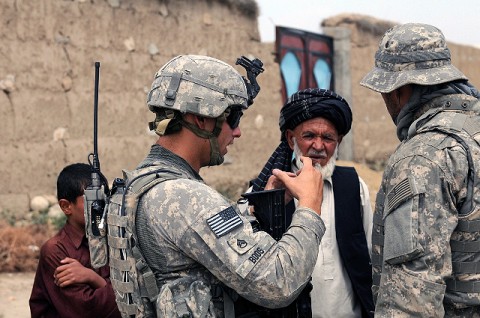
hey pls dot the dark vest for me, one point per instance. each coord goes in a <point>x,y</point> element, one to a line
<point>350,235</point>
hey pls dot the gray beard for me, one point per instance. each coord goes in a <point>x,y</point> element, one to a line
<point>326,170</point>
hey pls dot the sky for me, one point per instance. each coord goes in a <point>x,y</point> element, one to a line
<point>458,20</point>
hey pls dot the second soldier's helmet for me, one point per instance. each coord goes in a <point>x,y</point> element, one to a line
<point>196,84</point>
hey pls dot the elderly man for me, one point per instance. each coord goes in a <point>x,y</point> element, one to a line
<point>426,221</point>
<point>313,123</point>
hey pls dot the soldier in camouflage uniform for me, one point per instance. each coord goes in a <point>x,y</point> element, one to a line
<point>426,235</point>
<point>198,244</point>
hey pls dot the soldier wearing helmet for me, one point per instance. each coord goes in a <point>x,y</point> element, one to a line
<point>200,247</point>
<point>203,87</point>
<point>426,221</point>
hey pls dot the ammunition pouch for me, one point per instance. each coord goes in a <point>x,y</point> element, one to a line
<point>94,208</point>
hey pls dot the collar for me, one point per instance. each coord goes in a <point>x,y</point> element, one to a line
<point>159,155</point>
<point>76,236</point>
<point>452,102</point>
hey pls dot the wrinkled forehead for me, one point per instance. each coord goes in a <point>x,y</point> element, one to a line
<point>316,125</point>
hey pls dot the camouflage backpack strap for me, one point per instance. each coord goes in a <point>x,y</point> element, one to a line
<point>131,277</point>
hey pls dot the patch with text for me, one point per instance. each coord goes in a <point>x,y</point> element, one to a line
<point>256,255</point>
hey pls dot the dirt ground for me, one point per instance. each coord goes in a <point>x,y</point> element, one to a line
<point>14,293</point>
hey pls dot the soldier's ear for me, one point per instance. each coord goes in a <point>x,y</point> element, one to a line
<point>403,94</point>
<point>200,122</point>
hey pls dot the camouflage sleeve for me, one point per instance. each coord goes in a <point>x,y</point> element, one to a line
<point>421,188</point>
<point>267,272</point>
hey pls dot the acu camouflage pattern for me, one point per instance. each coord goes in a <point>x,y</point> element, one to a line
<point>197,84</point>
<point>97,244</point>
<point>189,260</point>
<point>426,234</point>
<point>411,53</point>
<point>135,286</point>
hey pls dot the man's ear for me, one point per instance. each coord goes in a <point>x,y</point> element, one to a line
<point>66,206</point>
<point>289,136</point>
<point>403,94</point>
<point>199,121</point>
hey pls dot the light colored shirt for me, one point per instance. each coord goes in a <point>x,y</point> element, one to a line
<point>332,294</point>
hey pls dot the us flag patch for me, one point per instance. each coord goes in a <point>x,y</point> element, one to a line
<point>224,222</point>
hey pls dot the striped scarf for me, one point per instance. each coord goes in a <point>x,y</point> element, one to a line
<point>280,159</point>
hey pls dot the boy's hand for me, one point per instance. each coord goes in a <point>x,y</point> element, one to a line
<point>72,272</point>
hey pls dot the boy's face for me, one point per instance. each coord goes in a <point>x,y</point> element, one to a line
<point>77,212</point>
<point>74,212</point>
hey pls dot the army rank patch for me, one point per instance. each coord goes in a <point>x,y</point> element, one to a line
<point>224,222</point>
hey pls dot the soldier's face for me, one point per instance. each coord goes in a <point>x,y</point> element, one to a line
<point>392,104</point>
<point>227,136</point>
<point>316,138</point>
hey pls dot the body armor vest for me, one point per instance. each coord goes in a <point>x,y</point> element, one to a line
<point>136,290</point>
<point>464,118</point>
<point>135,286</point>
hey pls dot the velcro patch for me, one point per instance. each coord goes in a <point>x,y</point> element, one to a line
<point>254,255</point>
<point>400,193</point>
<point>224,222</point>
<point>241,243</point>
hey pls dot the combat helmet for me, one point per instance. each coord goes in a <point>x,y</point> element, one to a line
<point>202,86</point>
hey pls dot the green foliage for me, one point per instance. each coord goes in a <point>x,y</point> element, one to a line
<point>42,218</point>
<point>39,217</point>
<point>33,218</point>
<point>8,216</point>
<point>58,222</point>
<point>377,164</point>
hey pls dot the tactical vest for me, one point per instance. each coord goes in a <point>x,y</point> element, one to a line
<point>135,286</point>
<point>136,290</point>
<point>464,118</point>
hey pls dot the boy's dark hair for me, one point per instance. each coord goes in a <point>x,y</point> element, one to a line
<point>72,180</point>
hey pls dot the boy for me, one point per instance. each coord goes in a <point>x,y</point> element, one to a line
<point>65,283</point>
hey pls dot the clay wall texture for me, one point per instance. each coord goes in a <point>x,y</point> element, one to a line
<point>47,54</point>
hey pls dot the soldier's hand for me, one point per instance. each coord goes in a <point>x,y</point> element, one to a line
<point>307,186</point>
<point>275,183</point>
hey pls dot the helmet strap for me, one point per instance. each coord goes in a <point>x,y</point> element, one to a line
<point>161,122</point>
<point>215,157</point>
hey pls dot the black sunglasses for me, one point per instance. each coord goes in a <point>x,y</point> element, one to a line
<point>233,118</point>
